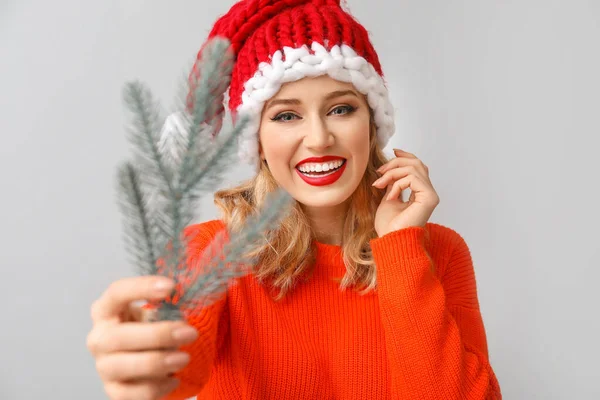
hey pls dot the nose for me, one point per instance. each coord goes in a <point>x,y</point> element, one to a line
<point>319,137</point>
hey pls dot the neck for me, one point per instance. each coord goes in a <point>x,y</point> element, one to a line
<point>327,223</point>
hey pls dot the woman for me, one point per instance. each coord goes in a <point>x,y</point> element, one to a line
<point>359,295</point>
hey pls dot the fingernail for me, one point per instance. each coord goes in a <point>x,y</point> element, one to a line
<point>185,334</point>
<point>398,150</point>
<point>177,359</point>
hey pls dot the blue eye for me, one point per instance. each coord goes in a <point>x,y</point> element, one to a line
<point>348,109</point>
<point>279,117</point>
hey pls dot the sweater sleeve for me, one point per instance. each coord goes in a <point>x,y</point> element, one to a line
<point>434,333</point>
<point>210,322</point>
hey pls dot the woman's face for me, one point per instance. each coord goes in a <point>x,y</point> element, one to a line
<point>316,118</point>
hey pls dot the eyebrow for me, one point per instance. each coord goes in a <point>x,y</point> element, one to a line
<point>332,95</point>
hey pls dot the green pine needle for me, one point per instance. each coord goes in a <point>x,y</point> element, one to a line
<point>133,205</point>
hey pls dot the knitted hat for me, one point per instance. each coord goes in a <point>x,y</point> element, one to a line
<point>279,41</point>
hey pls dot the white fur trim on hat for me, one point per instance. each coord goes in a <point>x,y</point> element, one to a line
<point>341,63</point>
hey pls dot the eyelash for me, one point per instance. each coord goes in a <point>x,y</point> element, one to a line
<point>349,109</point>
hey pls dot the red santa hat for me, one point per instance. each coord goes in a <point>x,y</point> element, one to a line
<point>279,41</point>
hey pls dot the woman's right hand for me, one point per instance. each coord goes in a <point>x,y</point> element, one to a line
<point>136,359</point>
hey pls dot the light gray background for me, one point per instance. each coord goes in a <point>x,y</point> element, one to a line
<point>499,98</point>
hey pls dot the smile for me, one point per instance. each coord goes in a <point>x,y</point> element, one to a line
<point>322,178</point>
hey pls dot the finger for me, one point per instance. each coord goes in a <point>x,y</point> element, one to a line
<point>412,182</point>
<point>397,188</point>
<point>393,175</point>
<point>393,163</point>
<point>116,299</point>
<point>398,153</point>
<point>402,162</point>
<point>137,336</point>
<point>388,189</point>
<point>127,366</point>
<point>154,389</point>
<point>416,170</point>
<point>404,153</point>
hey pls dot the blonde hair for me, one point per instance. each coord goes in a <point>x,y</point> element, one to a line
<point>289,254</point>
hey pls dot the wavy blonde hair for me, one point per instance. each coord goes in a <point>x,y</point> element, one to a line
<point>289,253</point>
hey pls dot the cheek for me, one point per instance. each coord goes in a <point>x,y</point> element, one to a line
<point>278,153</point>
<point>359,141</point>
<point>276,147</point>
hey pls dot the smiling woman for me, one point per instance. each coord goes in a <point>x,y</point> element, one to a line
<point>313,124</point>
<point>356,294</point>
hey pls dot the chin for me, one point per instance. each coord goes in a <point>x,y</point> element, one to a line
<point>323,196</point>
<point>324,199</point>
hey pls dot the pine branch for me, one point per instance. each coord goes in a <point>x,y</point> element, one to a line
<point>134,205</point>
<point>214,71</point>
<point>143,136</point>
<point>210,84</point>
<point>143,133</point>
<point>174,166</point>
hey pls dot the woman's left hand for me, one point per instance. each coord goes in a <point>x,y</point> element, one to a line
<point>403,172</point>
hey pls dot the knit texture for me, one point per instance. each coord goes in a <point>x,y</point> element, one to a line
<point>419,336</point>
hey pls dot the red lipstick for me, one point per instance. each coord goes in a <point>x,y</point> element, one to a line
<point>323,180</point>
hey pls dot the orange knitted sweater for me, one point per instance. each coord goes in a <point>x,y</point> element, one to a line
<point>420,335</point>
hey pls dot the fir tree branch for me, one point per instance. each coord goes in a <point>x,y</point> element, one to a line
<point>176,169</point>
<point>139,100</point>
<point>139,232</point>
<point>214,69</point>
<point>144,138</point>
<point>209,83</point>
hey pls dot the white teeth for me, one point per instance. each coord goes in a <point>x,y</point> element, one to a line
<point>320,167</point>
